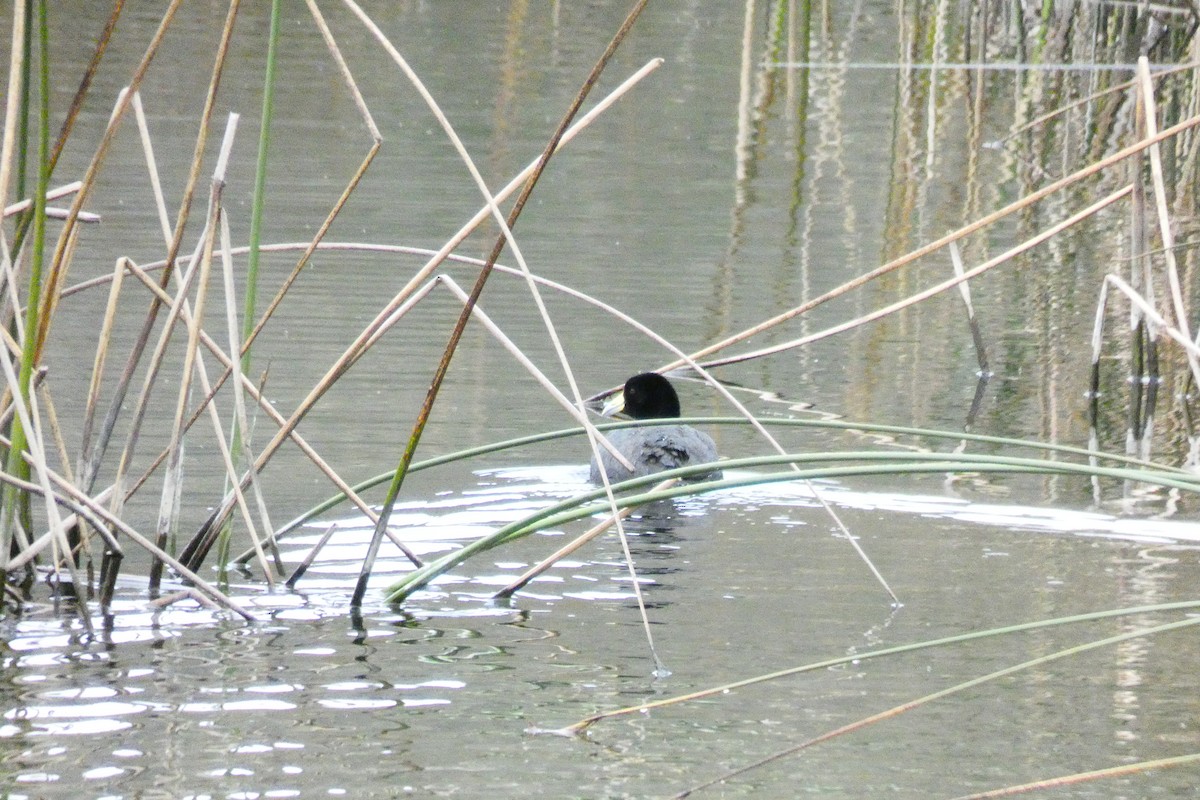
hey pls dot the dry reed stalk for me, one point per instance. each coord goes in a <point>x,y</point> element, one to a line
<point>935,245</point>
<point>12,105</point>
<point>308,560</point>
<point>1160,207</point>
<point>51,421</point>
<point>231,470</point>
<point>142,402</point>
<point>160,202</point>
<point>263,404</point>
<point>55,212</point>
<point>1119,771</point>
<point>103,343</point>
<point>93,462</point>
<point>355,349</point>
<point>64,458</point>
<point>172,490</point>
<point>85,83</point>
<point>239,408</point>
<point>55,522</point>
<point>420,278</point>
<point>964,289</point>
<point>54,194</point>
<point>913,299</point>
<point>182,594</point>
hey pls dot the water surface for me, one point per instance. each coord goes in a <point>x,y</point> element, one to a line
<point>701,204</point>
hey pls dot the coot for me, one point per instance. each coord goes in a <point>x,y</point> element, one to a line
<point>653,448</point>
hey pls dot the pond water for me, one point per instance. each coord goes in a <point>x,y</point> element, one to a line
<point>723,190</point>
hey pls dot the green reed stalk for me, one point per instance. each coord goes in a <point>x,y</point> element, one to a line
<point>1159,470</point>
<point>250,299</point>
<point>17,504</point>
<point>260,182</point>
<point>23,124</point>
<point>887,463</point>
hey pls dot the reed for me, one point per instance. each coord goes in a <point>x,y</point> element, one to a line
<point>183,307</point>
<point>1103,125</point>
<point>1076,162</point>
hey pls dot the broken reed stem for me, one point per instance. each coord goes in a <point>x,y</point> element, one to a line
<point>57,193</point>
<point>303,566</point>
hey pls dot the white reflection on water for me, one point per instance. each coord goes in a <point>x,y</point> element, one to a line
<point>519,492</point>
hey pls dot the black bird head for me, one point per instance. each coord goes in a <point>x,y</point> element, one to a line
<point>650,396</point>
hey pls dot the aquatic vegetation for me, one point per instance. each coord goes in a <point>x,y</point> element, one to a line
<point>1090,113</point>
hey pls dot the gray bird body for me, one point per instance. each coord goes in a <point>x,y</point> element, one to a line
<point>652,448</point>
<point>655,448</point>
